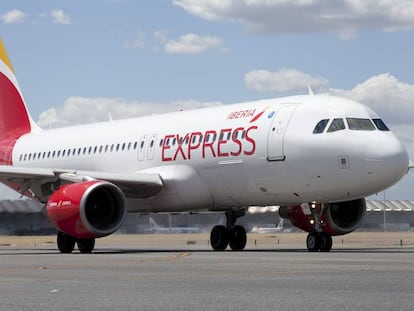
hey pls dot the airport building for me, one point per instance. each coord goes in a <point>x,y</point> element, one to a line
<point>27,217</point>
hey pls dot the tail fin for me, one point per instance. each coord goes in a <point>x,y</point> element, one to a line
<point>14,117</point>
<point>152,223</point>
<point>15,120</point>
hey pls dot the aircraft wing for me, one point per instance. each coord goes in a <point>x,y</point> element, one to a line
<point>134,185</point>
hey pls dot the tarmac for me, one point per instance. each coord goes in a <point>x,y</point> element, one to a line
<point>364,271</point>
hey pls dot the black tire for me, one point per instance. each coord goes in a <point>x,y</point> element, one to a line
<point>65,243</point>
<point>326,242</point>
<point>313,242</point>
<point>219,238</point>
<point>238,238</point>
<point>86,246</point>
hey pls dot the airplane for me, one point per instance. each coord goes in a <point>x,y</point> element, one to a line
<point>315,156</point>
<point>270,229</point>
<point>154,227</point>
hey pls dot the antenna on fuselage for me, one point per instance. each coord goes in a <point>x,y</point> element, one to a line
<point>310,91</point>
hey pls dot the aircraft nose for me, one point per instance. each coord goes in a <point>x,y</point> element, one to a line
<point>386,159</point>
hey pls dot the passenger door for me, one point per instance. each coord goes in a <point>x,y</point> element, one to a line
<point>275,141</point>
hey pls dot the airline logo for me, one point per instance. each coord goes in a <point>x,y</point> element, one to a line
<point>243,114</point>
<point>228,142</point>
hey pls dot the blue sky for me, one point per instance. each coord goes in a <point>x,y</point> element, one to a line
<point>78,60</point>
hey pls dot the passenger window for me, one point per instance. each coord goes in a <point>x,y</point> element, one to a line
<point>357,124</point>
<point>320,127</point>
<point>336,125</point>
<point>380,125</point>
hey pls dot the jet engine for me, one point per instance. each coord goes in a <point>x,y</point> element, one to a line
<point>335,218</point>
<point>85,210</point>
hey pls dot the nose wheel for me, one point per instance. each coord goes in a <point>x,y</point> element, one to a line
<point>230,235</point>
<point>319,241</point>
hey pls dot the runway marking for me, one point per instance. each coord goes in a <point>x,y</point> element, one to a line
<point>164,258</point>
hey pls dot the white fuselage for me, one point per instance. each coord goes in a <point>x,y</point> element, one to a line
<point>256,153</point>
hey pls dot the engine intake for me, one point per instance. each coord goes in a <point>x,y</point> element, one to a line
<point>87,209</point>
<point>345,217</point>
<point>337,218</point>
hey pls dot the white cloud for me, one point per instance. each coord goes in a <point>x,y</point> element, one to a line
<point>80,110</point>
<point>13,17</point>
<point>59,17</point>
<point>285,80</point>
<point>385,94</point>
<point>137,43</point>
<point>345,17</point>
<point>161,36</point>
<point>190,44</point>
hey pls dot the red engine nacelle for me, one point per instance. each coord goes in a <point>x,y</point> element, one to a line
<point>87,209</point>
<point>337,218</point>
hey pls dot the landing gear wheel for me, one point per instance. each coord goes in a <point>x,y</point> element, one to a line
<point>86,246</point>
<point>313,242</point>
<point>238,238</point>
<point>65,243</point>
<point>326,242</point>
<point>219,238</point>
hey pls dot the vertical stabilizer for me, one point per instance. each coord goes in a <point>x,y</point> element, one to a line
<point>14,117</point>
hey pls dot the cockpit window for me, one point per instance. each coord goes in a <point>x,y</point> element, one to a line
<point>336,125</point>
<point>357,124</point>
<point>380,125</point>
<point>320,127</point>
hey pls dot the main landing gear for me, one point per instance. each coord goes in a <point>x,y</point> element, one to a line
<point>229,235</point>
<point>66,244</point>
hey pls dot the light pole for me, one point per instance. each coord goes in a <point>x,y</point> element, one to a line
<point>385,217</point>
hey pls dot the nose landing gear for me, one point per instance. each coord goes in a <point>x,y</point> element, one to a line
<point>318,240</point>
